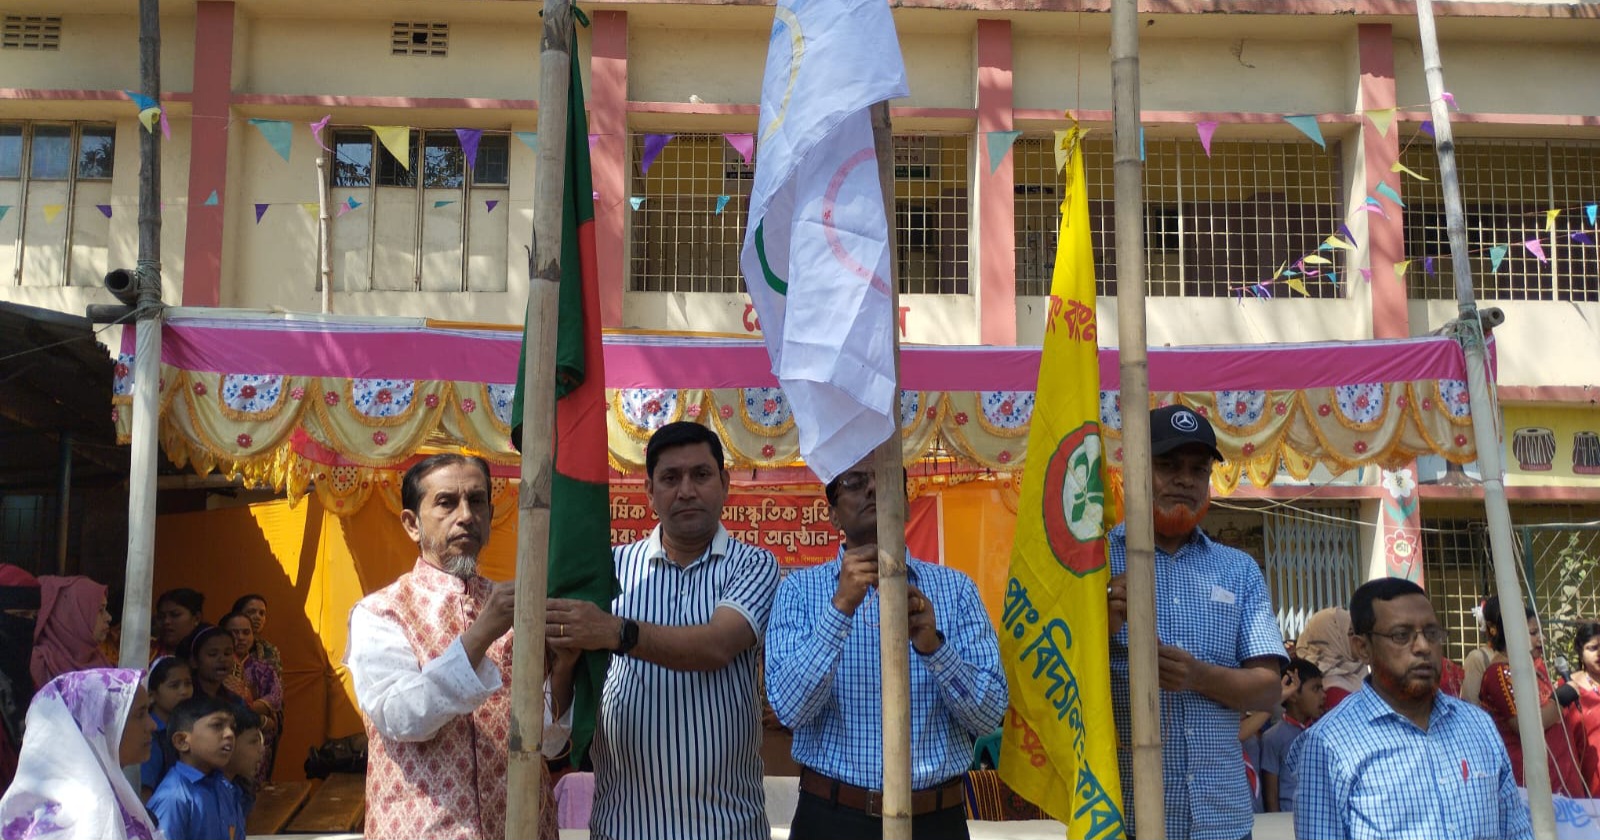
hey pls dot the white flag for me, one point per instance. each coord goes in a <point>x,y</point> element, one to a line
<point>816,255</point>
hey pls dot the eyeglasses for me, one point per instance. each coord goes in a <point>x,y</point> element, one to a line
<point>853,481</point>
<point>1402,636</point>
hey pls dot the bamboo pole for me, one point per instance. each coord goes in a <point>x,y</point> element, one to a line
<point>525,790</point>
<point>324,247</point>
<point>1143,675</point>
<point>1486,432</point>
<point>136,599</point>
<point>893,620</point>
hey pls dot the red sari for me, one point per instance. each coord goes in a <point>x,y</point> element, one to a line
<point>1583,721</point>
<point>1497,699</point>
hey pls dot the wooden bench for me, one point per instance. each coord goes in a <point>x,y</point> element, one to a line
<point>276,804</point>
<point>339,805</point>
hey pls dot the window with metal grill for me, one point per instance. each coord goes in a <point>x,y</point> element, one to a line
<point>1457,575</point>
<point>412,38</point>
<point>687,238</point>
<point>31,32</point>
<point>1214,225</point>
<point>1507,188</point>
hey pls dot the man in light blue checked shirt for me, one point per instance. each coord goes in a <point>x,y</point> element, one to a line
<point>824,680</point>
<point>1401,759</point>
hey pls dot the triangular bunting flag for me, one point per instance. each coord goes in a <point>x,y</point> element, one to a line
<point>212,200</point>
<point>1426,127</point>
<point>528,138</point>
<point>1315,259</point>
<point>488,206</point>
<point>1307,124</point>
<point>1400,270</point>
<point>317,129</point>
<point>744,144</point>
<point>4,209</point>
<point>1063,146</point>
<point>1366,274</point>
<point>1427,266</point>
<point>444,203</point>
<point>105,210</point>
<point>139,99</point>
<point>722,201</point>
<point>397,139</point>
<point>1381,118</point>
<point>1449,98</point>
<point>1344,231</point>
<point>1298,285</point>
<point>1580,236</point>
<point>1592,210</point>
<point>1141,142</point>
<point>1390,193</point>
<point>313,208</point>
<point>1372,206</point>
<point>352,203</point>
<point>637,201</point>
<point>261,210</point>
<point>1497,255</point>
<point>343,209</point>
<point>148,118</point>
<point>999,143</point>
<point>166,127</point>
<point>1206,129</point>
<point>51,211</point>
<point>1550,219</point>
<point>653,144</point>
<point>470,138</point>
<point>279,134</point>
<point>1536,248</point>
<point>1397,166</point>
<point>1336,242</point>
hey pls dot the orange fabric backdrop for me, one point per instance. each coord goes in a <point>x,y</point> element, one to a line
<point>312,566</point>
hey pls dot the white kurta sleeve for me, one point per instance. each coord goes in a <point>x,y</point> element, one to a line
<point>556,732</point>
<point>404,701</point>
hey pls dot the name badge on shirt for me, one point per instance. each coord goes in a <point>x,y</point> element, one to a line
<point>1222,596</point>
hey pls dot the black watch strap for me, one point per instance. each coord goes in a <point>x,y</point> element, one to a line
<point>628,638</point>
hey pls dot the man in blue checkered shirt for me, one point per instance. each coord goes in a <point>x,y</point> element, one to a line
<point>824,680</point>
<point>1220,650</point>
<point>1401,758</point>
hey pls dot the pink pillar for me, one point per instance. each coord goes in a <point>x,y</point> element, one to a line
<point>208,152</point>
<point>1386,237</point>
<point>997,256</point>
<point>608,118</point>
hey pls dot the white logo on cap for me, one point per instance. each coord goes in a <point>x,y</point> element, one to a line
<point>1185,421</point>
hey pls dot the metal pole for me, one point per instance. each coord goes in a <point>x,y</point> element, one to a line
<point>1143,677</point>
<point>324,246</point>
<point>64,504</point>
<point>525,789</point>
<point>146,364</point>
<point>1486,432</point>
<point>894,639</point>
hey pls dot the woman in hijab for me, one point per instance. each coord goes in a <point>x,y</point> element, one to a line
<point>1326,642</point>
<point>83,727</point>
<point>71,625</point>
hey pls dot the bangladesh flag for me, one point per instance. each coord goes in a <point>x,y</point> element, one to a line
<point>580,512</point>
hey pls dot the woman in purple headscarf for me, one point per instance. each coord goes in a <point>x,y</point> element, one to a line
<point>83,727</point>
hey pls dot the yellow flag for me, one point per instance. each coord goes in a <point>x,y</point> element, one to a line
<point>1550,219</point>
<point>1397,166</point>
<point>397,139</point>
<point>1298,285</point>
<point>1058,748</point>
<point>148,118</point>
<point>51,211</point>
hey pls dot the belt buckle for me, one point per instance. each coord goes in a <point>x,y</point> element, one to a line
<point>874,803</point>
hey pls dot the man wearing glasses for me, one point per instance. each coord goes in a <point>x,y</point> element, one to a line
<point>823,680</point>
<point>1401,758</point>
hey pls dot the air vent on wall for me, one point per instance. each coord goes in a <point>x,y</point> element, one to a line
<point>420,38</point>
<point>31,32</point>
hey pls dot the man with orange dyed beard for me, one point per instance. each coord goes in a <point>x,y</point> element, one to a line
<point>1220,648</point>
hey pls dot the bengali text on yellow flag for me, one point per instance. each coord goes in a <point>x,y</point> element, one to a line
<point>1059,749</point>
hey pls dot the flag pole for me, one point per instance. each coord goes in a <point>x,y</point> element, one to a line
<point>1486,431</point>
<point>1143,674</point>
<point>893,619</point>
<point>525,768</point>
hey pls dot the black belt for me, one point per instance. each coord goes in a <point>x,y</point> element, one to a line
<point>949,794</point>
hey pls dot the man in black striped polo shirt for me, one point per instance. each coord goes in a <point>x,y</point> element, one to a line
<point>677,748</point>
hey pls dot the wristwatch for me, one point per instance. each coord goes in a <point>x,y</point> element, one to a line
<point>628,638</point>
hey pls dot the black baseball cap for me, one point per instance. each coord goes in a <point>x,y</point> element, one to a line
<point>1178,425</point>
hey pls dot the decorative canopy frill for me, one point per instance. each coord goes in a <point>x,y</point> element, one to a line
<point>342,403</point>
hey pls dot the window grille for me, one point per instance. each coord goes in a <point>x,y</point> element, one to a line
<point>411,38</point>
<point>30,32</point>
<point>680,242</point>
<point>1562,563</point>
<point>1458,573</point>
<point>1213,224</point>
<point>1313,561</point>
<point>1506,187</point>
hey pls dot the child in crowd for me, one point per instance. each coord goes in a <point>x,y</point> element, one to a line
<point>1300,710</point>
<point>249,748</point>
<point>210,655</point>
<point>169,685</point>
<point>195,801</point>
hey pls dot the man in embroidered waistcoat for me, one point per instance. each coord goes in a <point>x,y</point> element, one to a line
<point>430,656</point>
